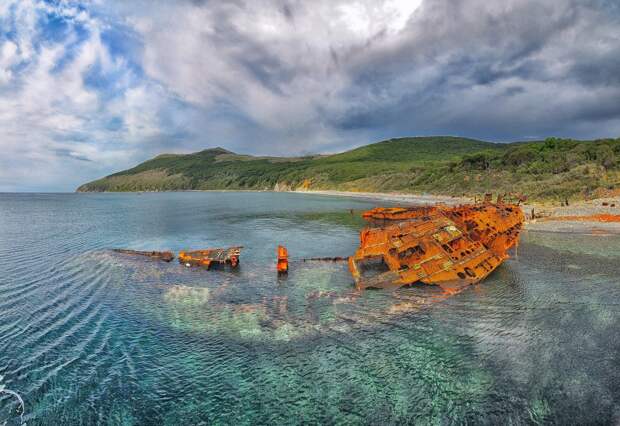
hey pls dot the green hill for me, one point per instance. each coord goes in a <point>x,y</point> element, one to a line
<point>550,169</point>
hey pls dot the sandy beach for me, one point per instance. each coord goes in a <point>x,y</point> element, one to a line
<point>548,218</point>
<point>395,197</point>
<point>580,217</point>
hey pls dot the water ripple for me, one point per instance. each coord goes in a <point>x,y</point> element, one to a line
<point>89,336</point>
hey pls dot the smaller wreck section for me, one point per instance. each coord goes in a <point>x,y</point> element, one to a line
<point>210,257</point>
<point>446,246</point>
<point>282,264</point>
<point>166,256</point>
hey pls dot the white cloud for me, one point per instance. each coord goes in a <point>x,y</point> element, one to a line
<point>8,58</point>
<point>51,121</point>
<point>280,65</point>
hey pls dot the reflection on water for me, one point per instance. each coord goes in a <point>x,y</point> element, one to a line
<point>92,336</point>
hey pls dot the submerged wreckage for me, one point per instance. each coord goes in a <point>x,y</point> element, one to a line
<point>446,246</point>
<point>208,258</point>
<point>166,256</point>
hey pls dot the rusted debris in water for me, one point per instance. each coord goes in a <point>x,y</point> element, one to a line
<point>166,256</point>
<point>447,246</point>
<point>326,259</point>
<point>282,260</point>
<point>208,258</point>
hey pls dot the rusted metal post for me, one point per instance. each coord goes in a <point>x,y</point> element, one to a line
<point>282,264</point>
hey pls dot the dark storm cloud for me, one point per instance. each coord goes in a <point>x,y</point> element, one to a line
<point>287,11</point>
<point>346,72</point>
<point>66,153</point>
<point>500,72</point>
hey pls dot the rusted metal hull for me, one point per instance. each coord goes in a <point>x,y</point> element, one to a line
<point>166,256</point>
<point>446,246</point>
<point>211,257</point>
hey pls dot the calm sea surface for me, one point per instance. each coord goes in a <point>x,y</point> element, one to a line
<point>90,336</point>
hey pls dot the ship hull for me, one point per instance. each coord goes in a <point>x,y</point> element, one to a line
<point>447,246</point>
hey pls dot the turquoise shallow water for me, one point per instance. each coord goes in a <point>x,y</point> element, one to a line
<point>89,336</point>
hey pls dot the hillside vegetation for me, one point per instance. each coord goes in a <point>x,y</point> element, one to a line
<point>543,170</point>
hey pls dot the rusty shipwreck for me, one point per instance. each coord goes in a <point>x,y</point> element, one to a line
<point>446,246</point>
<point>211,257</point>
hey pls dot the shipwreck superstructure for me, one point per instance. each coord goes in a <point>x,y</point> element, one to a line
<point>442,245</point>
<point>210,257</point>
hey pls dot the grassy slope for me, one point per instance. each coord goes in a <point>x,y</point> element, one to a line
<point>548,169</point>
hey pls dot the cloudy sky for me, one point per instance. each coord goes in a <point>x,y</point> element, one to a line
<point>92,87</point>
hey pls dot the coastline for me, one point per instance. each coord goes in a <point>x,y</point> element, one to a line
<point>392,197</point>
<point>577,218</point>
<point>547,218</point>
<point>574,227</point>
<point>552,219</point>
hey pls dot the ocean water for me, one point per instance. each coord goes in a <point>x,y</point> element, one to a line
<point>89,336</point>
